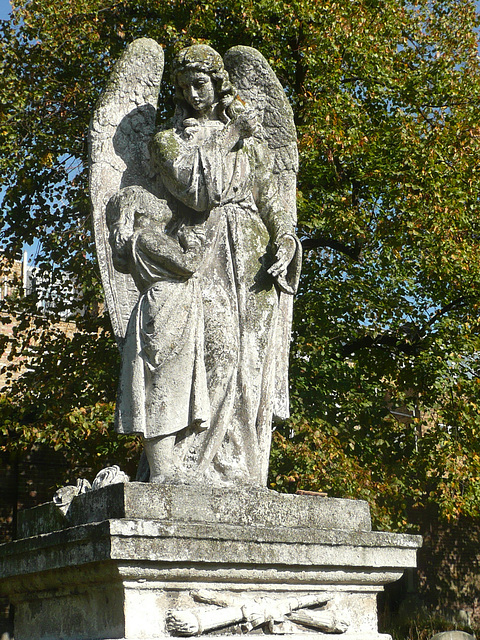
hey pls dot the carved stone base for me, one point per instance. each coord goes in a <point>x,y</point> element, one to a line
<point>145,562</point>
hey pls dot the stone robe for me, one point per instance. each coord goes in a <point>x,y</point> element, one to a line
<point>200,350</point>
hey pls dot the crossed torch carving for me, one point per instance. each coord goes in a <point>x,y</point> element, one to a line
<point>250,614</point>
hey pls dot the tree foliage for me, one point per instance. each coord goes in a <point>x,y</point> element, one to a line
<point>386,100</point>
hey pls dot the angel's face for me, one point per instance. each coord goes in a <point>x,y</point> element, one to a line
<point>198,90</point>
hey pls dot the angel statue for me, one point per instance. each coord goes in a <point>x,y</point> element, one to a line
<point>195,232</point>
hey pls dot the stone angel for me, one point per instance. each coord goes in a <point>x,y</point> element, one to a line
<point>195,232</point>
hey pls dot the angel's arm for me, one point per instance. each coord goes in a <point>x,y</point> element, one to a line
<point>180,165</point>
<point>278,221</point>
<point>192,171</point>
<point>167,252</point>
<point>137,221</point>
<point>268,200</point>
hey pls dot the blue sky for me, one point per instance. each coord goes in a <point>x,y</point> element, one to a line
<point>4,9</point>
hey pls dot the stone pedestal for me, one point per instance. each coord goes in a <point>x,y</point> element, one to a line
<point>123,557</point>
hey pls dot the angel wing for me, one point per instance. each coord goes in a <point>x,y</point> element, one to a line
<point>257,83</point>
<point>122,125</point>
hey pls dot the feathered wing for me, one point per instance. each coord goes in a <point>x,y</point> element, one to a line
<point>123,123</point>
<point>257,84</point>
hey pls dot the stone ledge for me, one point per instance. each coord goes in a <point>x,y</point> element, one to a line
<point>185,503</point>
<point>198,544</point>
<point>314,635</point>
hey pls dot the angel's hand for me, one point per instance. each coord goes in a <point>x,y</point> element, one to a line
<point>163,250</point>
<point>243,126</point>
<point>286,249</point>
<point>245,123</point>
<point>191,239</point>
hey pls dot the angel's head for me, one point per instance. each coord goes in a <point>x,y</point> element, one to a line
<point>202,83</point>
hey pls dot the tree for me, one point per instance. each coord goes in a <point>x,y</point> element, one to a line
<point>386,97</point>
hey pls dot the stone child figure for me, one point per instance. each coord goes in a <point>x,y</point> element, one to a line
<point>199,258</point>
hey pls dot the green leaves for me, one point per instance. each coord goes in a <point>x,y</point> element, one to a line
<point>386,98</point>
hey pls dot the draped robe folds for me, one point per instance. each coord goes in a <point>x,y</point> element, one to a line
<point>199,358</point>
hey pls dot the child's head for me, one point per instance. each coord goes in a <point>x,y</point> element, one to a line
<point>134,208</point>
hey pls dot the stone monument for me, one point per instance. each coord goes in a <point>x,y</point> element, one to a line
<point>195,231</point>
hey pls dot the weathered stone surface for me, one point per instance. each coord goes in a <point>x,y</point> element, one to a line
<point>236,546</point>
<point>247,506</point>
<point>123,123</point>
<point>118,577</point>
<point>453,635</point>
<point>199,258</point>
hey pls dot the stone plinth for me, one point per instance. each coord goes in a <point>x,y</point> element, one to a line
<point>125,555</point>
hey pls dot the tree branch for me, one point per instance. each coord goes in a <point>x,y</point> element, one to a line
<point>408,338</point>
<point>353,252</point>
<point>389,340</point>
